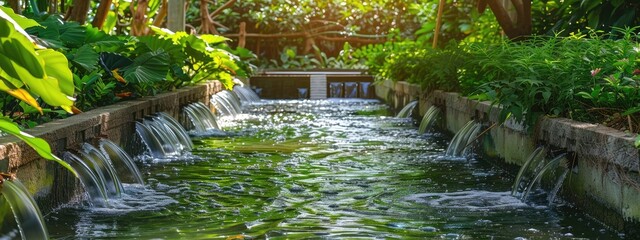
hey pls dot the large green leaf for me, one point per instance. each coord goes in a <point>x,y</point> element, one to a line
<point>73,34</point>
<point>148,67</point>
<point>56,66</point>
<point>19,51</point>
<point>50,87</point>
<point>112,61</point>
<point>103,42</point>
<point>41,146</point>
<point>9,74</point>
<point>85,57</point>
<point>22,21</point>
<point>194,42</point>
<point>213,39</point>
<point>49,90</point>
<point>45,72</point>
<point>154,43</point>
<point>198,55</point>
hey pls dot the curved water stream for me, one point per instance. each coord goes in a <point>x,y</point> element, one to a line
<point>330,170</point>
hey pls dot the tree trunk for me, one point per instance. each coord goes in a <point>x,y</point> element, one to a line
<point>53,7</point>
<point>519,28</point>
<point>206,23</point>
<point>158,21</point>
<point>15,5</point>
<point>79,11</point>
<point>101,13</point>
<point>139,19</point>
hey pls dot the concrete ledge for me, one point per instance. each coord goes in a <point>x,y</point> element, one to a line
<point>52,185</point>
<point>608,164</point>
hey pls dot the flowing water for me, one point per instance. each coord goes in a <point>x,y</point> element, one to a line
<point>429,119</point>
<point>323,170</point>
<point>201,117</point>
<point>462,141</point>
<point>350,89</point>
<point>365,90</point>
<point>336,90</point>
<point>407,110</point>
<point>28,218</point>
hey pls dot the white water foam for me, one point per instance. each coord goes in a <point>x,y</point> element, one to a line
<point>136,198</point>
<point>468,200</point>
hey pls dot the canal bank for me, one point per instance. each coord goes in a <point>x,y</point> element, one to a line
<point>50,184</point>
<point>604,176</point>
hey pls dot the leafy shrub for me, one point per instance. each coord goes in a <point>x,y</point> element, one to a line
<point>431,68</point>
<point>587,79</point>
<point>375,56</point>
<point>591,78</point>
<point>108,68</point>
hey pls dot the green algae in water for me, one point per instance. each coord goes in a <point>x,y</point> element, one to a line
<point>247,145</point>
<point>374,112</point>
<point>330,174</point>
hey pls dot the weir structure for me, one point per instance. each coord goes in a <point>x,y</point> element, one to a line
<point>313,84</point>
<point>604,175</point>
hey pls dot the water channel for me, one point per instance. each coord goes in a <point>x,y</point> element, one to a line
<point>322,169</point>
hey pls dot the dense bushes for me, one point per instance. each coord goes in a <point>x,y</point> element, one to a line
<point>591,79</point>
<point>103,68</point>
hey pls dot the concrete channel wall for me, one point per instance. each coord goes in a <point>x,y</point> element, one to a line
<point>605,178</point>
<point>53,185</point>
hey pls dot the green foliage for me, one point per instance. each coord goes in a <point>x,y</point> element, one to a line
<point>95,91</point>
<point>594,79</point>
<point>460,20</point>
<point>580,16</point>
<point>549,76</point>
<point>290,59</point>
<point>43,72</point>
<point>431,68</point>
<point>136,66</point>
<point>347,59</point>
<point>147,68</point>
<point>375,56</point>
<point>96,68</point>
<point>197,58</point>
<point>269,16</point>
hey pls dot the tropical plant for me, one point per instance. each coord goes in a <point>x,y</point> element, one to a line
<point>27,73</point>
<point>108,68</point>
<point>199,58</point>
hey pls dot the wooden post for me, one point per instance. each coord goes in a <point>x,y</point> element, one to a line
<point>242,35</point>
<point>176,15</point>
<point>438,23</point>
